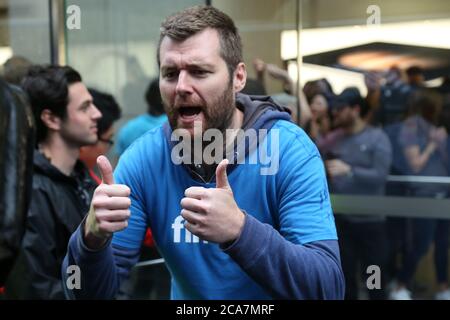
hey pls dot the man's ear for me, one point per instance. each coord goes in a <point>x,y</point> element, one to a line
<point>239,77</point>
<point>50,120</point>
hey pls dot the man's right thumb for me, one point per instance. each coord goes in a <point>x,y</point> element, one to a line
<point>105,170</point>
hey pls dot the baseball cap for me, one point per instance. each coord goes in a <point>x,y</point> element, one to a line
<point>349,97</point>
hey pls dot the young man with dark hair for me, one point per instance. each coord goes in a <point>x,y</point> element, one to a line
<point>236,233</point>
<point>66,119</point>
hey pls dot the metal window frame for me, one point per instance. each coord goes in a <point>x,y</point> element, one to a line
<point>57,29</point>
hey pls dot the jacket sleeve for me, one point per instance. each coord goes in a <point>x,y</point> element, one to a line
<point>287,270</point>
<point>16,164</point>
<point>299,257</point>
<point>39,250</point>
<point>102,271</point>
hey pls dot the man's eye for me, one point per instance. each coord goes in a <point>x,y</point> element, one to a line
<point>170,74</point>
<point>199,72</point>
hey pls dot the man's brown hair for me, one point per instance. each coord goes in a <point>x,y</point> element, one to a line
<point>190,21</point>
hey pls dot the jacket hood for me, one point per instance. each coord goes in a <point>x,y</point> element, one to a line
<point>260,112</point>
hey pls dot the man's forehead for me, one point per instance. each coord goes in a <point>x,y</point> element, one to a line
<point>185,61</point>
<point>78,88</point>
<point>200,48</point>
<point>78,92</point>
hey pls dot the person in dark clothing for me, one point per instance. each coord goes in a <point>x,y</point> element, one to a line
<point>424,144</point>
<point>66,119</point>
<point>362,158</point>
<point>387,95</point>
<point>16,154</point>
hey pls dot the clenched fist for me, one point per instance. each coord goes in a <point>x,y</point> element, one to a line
<point>110,208</point>
<point>212,214</point>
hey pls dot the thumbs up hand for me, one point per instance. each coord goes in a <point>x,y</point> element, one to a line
<point>110,208</point>
<point>212,214</point>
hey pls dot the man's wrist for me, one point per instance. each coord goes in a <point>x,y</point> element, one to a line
<point>92,241</point>
<point>228,243</point>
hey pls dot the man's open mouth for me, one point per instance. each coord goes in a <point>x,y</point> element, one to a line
<point>189,111</point>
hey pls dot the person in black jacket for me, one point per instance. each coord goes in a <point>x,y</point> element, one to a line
<point>16,154</point>
<point>66,119</point>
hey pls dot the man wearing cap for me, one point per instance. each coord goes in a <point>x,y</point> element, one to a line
<point>358,163</point>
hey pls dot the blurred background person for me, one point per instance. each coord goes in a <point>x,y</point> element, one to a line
<point>425,147</point>
<point>415,77</point>
<point>136,127</point>
<point>387,94</point>
<point>111,112</point>
<point>288,98</point>
<point>320,124</point>
<point>320,96</point>
<point>358,163</point>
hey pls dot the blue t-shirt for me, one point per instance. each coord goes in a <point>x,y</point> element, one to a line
<point>291,195</point>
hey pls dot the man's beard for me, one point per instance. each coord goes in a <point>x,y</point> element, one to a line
<point>344,124</point>
<point>217,115</point>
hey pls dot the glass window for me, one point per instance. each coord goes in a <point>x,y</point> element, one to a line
<point>115,48</point>
<point>22,22</point>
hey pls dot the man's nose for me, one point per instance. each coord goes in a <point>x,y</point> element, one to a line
<point>96,113</point>
<point>184,86</point>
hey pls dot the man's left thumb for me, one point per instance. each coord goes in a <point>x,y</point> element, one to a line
<point>221,175</point>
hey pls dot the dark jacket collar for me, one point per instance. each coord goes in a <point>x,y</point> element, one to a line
<point>43,166</point>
